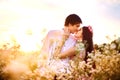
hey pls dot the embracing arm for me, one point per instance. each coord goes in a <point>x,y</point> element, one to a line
<point>68,53</point>
<point>71,52</point>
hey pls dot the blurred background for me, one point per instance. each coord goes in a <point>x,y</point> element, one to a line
<point>27,21</point>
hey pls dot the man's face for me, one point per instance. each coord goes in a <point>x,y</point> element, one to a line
<point>79,33</point>
<point>73,28</point>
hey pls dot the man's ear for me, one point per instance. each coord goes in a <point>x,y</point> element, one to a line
<point>70,24</point>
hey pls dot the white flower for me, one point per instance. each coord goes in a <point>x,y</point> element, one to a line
<point>80,46</point>
<point>82,64</point>
<point>113,46</point>
<point>107,51</point>
<point>118,40</point>
<point>107,46</point>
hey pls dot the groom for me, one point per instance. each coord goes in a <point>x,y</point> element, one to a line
<point>71,25</point>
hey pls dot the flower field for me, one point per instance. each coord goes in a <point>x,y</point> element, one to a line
<point>102,64</point>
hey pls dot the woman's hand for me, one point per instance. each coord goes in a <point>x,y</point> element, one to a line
<point>66,32</point>
<point>82,55</point>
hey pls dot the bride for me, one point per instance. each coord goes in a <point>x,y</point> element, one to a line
<point>65,46</point>
<point>80,44</point>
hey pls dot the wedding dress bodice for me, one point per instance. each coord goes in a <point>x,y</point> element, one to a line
<point>61,65</point>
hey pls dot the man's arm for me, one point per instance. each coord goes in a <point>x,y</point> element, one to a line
<point>68,53</point>
<point>71,52</point>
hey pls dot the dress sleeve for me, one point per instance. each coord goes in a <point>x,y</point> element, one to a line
<point>46,43</point>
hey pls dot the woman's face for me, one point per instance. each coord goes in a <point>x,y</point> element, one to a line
<point>79,33</point>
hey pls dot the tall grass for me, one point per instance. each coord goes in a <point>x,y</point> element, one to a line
<point>103,64</point>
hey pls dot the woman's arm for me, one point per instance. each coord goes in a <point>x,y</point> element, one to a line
<point>46,43</point>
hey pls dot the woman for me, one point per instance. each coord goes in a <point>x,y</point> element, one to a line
<point>83,44</point>
<point>79,44</point>
<point>74,45</point>
<point>85,35</point>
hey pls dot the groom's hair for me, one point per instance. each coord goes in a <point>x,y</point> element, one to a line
<point>72,19</point>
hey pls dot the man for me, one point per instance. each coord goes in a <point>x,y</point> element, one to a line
<point>57,41</point>
<point>71,25</point>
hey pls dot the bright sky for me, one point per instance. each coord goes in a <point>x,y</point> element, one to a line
<point>19,18</point>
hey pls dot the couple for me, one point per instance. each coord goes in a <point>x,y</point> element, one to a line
<point>61,46</point>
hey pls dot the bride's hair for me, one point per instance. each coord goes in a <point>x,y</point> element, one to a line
<point>87,35</point>
<point>72,19</point>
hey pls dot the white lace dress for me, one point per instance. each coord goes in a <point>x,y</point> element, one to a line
<point>56,66</point>
<point>60,65</point>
